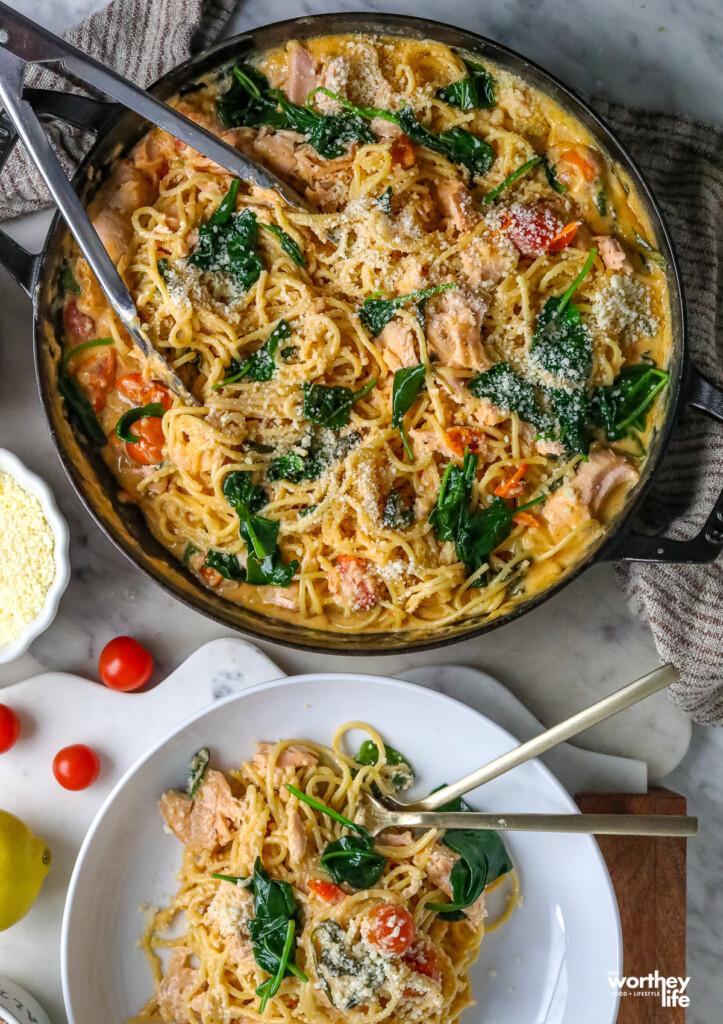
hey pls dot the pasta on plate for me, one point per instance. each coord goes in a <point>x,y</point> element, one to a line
<point>288,911</point>
<point>424,400</point>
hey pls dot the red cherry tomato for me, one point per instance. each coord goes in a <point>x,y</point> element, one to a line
<point>80,325</point>
<point>96,376</point>
<point>143,392</point>
<point>531,228</point>
<point>424,961</point>
<point>76,767</point>
<point>389,928</point>
<point>327,891</point>
<point>124,664</point>
<point>9,728</point>
<point>148,449</point>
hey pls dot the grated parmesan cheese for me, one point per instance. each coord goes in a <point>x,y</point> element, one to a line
<point>26,556</point>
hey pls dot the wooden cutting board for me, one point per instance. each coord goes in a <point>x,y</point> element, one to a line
<point>648,875</point>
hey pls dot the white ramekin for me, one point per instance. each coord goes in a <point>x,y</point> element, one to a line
<point>9,463</point>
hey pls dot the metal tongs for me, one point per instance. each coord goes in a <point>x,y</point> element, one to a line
<point>378,815</point>
<point>23,43</point>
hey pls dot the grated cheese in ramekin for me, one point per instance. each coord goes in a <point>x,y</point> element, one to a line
<point>27,562</point>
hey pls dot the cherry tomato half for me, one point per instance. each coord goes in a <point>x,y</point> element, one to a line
<point>124,664</point>
<point>424,961</point>
<point>389,928</point>
<point>327,891</point>
<point>80,325</point>
<point>532,227</point>
<point>76,767</point>
<point>9,728</point>
<point>143,392</point>
<point>148,449</point>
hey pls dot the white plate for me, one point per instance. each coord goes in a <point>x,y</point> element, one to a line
<point>549,965</point>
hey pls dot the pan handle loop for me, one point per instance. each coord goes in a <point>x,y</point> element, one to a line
<point>707,545</point>
<point>79,111</point>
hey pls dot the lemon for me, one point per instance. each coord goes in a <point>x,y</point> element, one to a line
<point>24,863</point>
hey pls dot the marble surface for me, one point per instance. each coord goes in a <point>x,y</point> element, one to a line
<point>662,54</point>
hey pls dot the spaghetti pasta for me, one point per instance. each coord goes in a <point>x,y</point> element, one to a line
<point>354,547</point>
<point>379,953</point>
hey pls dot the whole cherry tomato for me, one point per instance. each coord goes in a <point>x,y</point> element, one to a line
<point>124,664</point>
<point>76,767</point>
<point>9,728</point>
<point>389,928</point>
<point>148,449</point>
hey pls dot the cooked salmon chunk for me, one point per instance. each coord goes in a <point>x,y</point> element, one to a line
<point>202,823</point>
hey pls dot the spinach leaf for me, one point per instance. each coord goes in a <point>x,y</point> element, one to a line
<point>523,169</point>
<point>601,201</point>
<point>330,406</point>
<point>376,313</point>
<point>351,859</point>
<point>569,408</point>
<point>474,92</point>
<point>384,201</point>
<point>328,134</point>
<point>475,534</point>
<point>407,384</point>
<point>250,444</point>
<point>124,424</point>
<point>369,754</point>
<point>227,565</point>
<point>67,280</point>
<point>260,364</point>
<point>622,407</point>
<point>197,771</point>
<point>265,564</point>
<point>397,514</point>
<point>272,928</point>
<point>163,268</point>
<point>654,255</point>
<point>188,552</point>
<point>458,145</point>
<point>480,533</point>
<point>508,390</point>
<point>80,409</point>
<point>288,244</point>
<point>304,512</point>
<point>270,571</point>
<point>454,496</point>
<point>482,859</point>
<point>561,344</point>
<point>249,100</point>
<point>551,174</point>
<point>297,468</point>
<point>228,240</point>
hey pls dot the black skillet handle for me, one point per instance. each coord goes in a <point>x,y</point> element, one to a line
<point>79,111</point>
<point>705,546</point>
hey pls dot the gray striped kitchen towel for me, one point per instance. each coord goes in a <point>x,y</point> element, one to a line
<point>141,39</point>
<point>682,159</point>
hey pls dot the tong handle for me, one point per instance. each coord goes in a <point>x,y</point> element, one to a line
<point>33,44</point>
